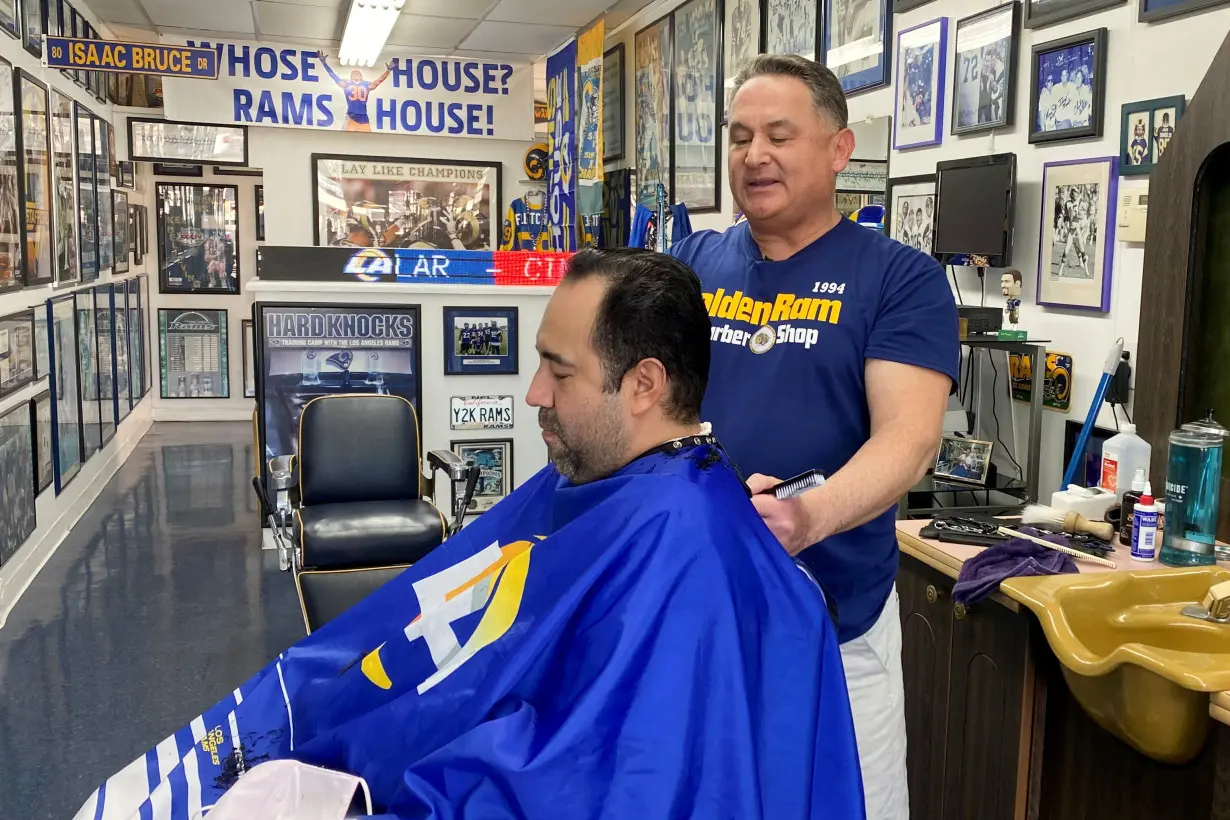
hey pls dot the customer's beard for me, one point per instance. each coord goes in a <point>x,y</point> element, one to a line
<point>594,449</point>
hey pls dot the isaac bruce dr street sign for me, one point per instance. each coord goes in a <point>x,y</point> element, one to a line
<point>130,58</point>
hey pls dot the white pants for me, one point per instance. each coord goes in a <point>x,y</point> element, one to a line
<point>877,698</point>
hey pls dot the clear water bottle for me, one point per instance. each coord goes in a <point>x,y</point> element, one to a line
<point>1193,483</point>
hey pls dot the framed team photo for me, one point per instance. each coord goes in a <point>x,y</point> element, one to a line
<point>494,458</point>
<point>741,42</point>
<point>1153,10</point>
<point>919,117</point>
<point>909,215</point>
<point>1147,128</point>
<point>856,43</point>
<point>1067,92</point>
<point>613,103</point>
<point>790,27</point>
<point>1077,233</point>
<point>694,168</point>
<point>984,69</point>
<point>1041,13</point>
<point>480,341</point>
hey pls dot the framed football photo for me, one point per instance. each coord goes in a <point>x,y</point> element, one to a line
<point>919,116</point>
<point>910,213</point>
<point>1078,233</point>
<point>494,458</point>
<point>1148,126</point>
<point>1067,90</point>
<point>984,70</point>
<point>480,341</point>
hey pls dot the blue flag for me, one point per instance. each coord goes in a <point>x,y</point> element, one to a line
<point>636,647</point>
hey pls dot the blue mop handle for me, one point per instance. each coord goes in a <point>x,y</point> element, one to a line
<point>1078,453</point>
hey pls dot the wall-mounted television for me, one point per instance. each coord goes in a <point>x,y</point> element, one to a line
<point>975,202</point>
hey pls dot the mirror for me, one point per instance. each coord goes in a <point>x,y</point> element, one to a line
<point>865,179</point>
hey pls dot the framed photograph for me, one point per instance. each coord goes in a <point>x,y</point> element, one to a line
<point>121,244</point>
<point>121,338</point>
<point>64,190</point>
<point>228,171</point>
<point>404,202</point>
<point>984,69</point>
<point>17,355</point>
<point>42,343</point>
<point>198,238</point>
<point>44,441</point>
<point>104,329</point>
<point>1150,11</point>
<point>909,213</point>
<point>38,257</point>
<point>9,22</point>
<point>260,213</point>
<point>920,85</point>
<point>481,412</point>
<point>864,176</point>
<point>155,140</point>
<point>17,516</point>
<point>742,39</point>
<point>1148,127</point>
<point>177,169</point>
<point>1078,233</point>
<point>1042,13</point>
<point>494,458</point>
<point>900,6</point>
<point>88,374</point>
<point>137,335</point>
<point>32,11</point>
<point>192,347</point>
<point>966,460</point>
<point>248,337</point>
<point>309,350</point>
<point>790,27</point>
<point>695,174</point>
<point>66,396</point>
<point>11,224</point>
<point>127,177</point>
<point>613,88</point>
<point>856,43</point>
<point>651,54</point>
<point>1067,90</point>
<point>102,194</point>
<point>87,223</point>
<point>480,341</point>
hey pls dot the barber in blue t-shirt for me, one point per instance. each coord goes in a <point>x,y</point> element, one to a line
<point>834,347</point>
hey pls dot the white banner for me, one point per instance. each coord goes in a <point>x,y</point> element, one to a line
<point>289,87</point>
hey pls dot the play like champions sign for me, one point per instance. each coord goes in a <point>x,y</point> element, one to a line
<point>291,87</point>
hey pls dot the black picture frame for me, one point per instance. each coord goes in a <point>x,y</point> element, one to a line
<point>44,450</point>
<point>1097,39</point>
<point>1061,10</point>
<point>65,214</point>
<point>87,225</point>
<point>1175,8</point>
<point>11,25</point>
<point>21,364</point>
<point>863,79</point>
<point>434,238</point>
<point>646,190</point>
<point>187,322</point>
<point>732,31</point>
<point>121,332</point>
<point>614,68</point>
<point>119,235</point>
<point>215,132</point>
<point>817,34</point>
<point>35,181</point>
<point>18,516</point>
<point>248,338</point>
<point>959,69</point>
<point>708,201</point>
<point>88,373</point>
<point>232,171</point>
<point>102,195</point>
<point>458,362</point>
<point>195,262</point>
<point>260,212</point>
<point>104,330</point>
<point>33,21</point>
<point>1146,111</point>
<point>482,501</point>
<point>65,388</point>
<point>138,361</point>
<point>12,223</point>
<point>897,182</point>
<point>134,234</point>
<point>178,169</point>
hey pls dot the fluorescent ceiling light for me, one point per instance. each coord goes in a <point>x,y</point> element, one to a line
<point>368,25</point>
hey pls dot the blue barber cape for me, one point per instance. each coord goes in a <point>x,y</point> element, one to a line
<point>637,647</point>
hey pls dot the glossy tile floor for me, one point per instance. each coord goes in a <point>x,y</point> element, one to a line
<point>158,603</point>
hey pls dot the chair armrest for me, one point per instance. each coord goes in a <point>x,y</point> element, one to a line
<point>448,461</point>
<point>282,472</point>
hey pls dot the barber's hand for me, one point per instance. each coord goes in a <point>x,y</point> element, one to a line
<point>789,519</point>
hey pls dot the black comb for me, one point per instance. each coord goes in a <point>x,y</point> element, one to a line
<point>798,485</point>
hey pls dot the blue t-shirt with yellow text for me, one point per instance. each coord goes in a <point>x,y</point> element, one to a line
<point>786,385</point>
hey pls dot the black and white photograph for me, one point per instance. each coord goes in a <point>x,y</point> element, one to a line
<point>192,346</point>
<point>158,139</point>
<point>790,27</point>
<point>17,517</point>
<point>984,70</point>
<point>198,238</point>
<point>17,360</point>
<point>966,460</point>
<point>120,235</point>
<point>1078,198</point>
<point>919,118</point>
<point>480,341</point>
<point>613,103</point>
<point>856,43</point>
<point>1068,88</point>
<point>44,441</point>
<point>495,464</point>
<point>64,189</point>
<point>910,214</point>
<point>1146,130</point>
<point>741,39</point>
<point>87,223</point>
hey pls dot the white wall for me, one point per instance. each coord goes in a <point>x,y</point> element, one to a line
<point>1143,61</point>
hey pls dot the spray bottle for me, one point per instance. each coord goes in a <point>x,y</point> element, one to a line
<point>1139,481</point>
<point>1144,527</point>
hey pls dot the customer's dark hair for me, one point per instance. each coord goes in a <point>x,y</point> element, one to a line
<point>826,93</point>
<point>652,309</point>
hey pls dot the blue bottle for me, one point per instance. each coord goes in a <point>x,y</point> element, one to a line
<point>1193,484</point>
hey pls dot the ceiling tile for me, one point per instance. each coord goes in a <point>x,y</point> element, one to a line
<point>469,9</point>
<point>211,36</point>
<point>215,15</point>
<point>441,33</point>
<point>574,13</point>
<point>289,20</point>
<point>122,12</point>
<point>518,38</point>
<point>493,56</point>
<point>327,45</point>
<point>331,4</point>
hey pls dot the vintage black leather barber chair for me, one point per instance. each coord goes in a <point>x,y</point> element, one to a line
<point>364,511</point>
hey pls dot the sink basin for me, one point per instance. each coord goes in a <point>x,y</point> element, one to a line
<point>1141,669</point>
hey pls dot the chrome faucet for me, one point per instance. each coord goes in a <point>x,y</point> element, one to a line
<point>1216,606</point>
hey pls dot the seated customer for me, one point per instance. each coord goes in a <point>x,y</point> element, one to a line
<point>621,637</point>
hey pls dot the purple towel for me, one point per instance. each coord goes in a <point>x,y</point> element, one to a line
<point>1015,558</point>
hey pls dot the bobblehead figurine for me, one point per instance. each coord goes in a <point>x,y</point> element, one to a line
<point>1010,286</point>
